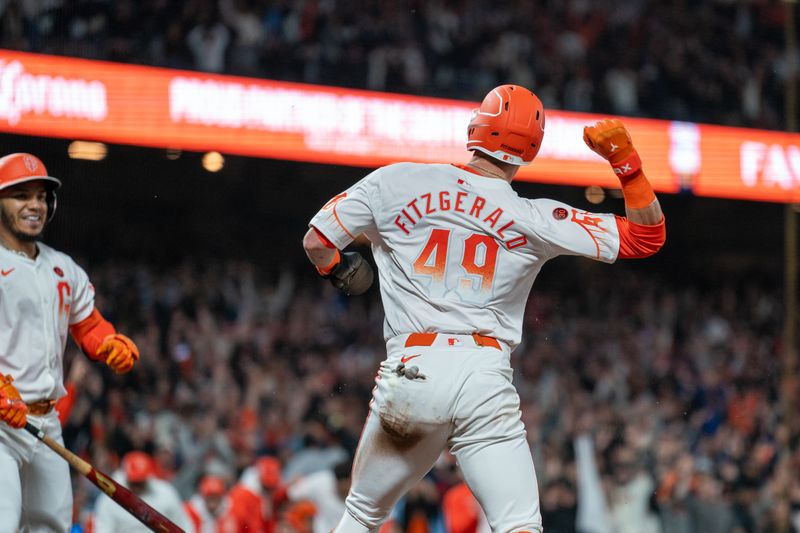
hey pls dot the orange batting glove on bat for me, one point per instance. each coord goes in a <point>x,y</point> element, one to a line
<point>13,410</point>
<point>612,142</point>
<point>119,353</point>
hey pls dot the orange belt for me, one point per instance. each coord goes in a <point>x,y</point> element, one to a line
<point>42,407</point>
<point>427,339</point>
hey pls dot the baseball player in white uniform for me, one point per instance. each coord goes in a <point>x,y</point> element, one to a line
<point>457,252</point>
<point>44,295</point>
<point>137,474</point>
<point>326,489</point>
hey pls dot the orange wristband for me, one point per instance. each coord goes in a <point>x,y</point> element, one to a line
<point>637,191</point>
<point>627,166</point>
<point>329,268</point>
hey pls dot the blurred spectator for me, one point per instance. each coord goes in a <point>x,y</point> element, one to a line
<point>137,475</point>
<point>206,509</point>
<point>681,402</point>
<point>242,17</point>
<point>463,514</point>
<point>326,489</point>
<point>629,494</point>
<point>256,500</point>
<point>208,41</point>
<point>298,518</point>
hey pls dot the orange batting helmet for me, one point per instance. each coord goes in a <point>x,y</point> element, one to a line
<point>509,125</point>
<point>212,486</point>
<point>269,471</point>
<point>138,466</point>
<point>21,167</point>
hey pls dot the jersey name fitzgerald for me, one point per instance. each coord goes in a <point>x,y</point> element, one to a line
<point>467,203</point>
<point>458,252</point>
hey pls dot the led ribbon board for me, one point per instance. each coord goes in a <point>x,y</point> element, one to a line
<point>100,101</point>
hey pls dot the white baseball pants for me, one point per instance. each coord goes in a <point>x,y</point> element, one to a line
<point>462,398</point>
<point>35,487</point>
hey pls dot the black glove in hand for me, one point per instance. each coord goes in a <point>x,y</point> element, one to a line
<point>353,275</point>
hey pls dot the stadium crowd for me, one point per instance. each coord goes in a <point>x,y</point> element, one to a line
<point>676,399</point>
<point>639,57</point>
<point>664,417</point>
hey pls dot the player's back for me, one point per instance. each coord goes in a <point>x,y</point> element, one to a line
<point>455,250</point>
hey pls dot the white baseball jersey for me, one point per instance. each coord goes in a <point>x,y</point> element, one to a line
<point>110,517</point>
<point>39,299</point>
<point>458,252</point>
<point>208,523</point>
<point>320,488</point>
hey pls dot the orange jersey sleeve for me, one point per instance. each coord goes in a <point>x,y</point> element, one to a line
<point>90,332</point>
<point>640,240</point>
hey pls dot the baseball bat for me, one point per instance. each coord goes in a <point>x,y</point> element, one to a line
<point>124,497</point>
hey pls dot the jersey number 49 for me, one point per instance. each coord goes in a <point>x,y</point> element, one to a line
<point>477,265</point>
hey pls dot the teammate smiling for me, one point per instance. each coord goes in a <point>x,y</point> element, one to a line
<point>43,295</point>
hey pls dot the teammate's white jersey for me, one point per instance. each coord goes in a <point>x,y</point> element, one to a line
<point>458,252</point>
<point>110,517</point>
<point>39,299</point>
<point>208,523</point>
<point>320,489</point>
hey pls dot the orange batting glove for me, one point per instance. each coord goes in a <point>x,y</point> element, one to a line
<point>612,142</point>
<point>119,353</point>
<point>13,410</point>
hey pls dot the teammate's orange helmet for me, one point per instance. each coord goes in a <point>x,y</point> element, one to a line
<point>138,466</point>
<point>21,167</point>
<point>269,471</point>
<point>509,125</point>
<point>212,486</point>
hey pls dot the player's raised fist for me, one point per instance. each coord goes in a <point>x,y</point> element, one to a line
<point>13,410</point>
<point>610,139</point>
<point>119,352</point>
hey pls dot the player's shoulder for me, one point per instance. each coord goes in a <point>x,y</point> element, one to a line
<point>542,212</point>
<point>399,177</point>
<point>58,258</point>
<point>410,166</point>
<point>50,254</point>
<point>547,204</point>
<point>408,169</point>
